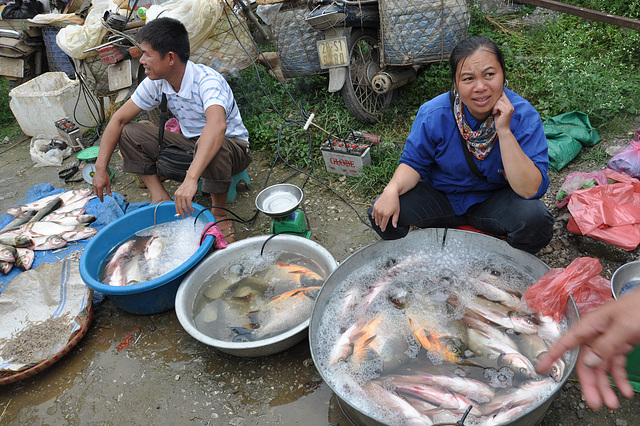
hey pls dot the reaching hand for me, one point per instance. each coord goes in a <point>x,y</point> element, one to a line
<point>605,336</point>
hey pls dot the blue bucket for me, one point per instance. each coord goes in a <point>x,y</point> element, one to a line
<point>151,297</point>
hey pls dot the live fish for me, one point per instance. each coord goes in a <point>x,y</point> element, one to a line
<point>511,300</point>
<point>495,313</point>
<point>436,395</point>
<point>487,341</point>
<point>282,313</point>
<point>433,325</point>
<point>382,342</point>
<point>283,277</point>
<point>534,347</point>
<point>343,348</point>
<point>391,401</point>
<point>519,395</point>
<point>471,388</point>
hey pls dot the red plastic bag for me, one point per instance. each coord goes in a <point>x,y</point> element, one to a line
<point>627,160</point>
<point>610,213</point>
<point>581,279</point>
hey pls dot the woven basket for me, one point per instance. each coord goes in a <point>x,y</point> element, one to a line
<point>229,48</point>
<point>295,42</point>
<point>421,31</point>
<point>83,319</point>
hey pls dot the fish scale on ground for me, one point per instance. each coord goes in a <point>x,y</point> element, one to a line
<point>486,314</point>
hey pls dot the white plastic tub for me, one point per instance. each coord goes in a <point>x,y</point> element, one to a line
<point>41,101</point>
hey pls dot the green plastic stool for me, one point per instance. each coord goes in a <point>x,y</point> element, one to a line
<point>233,194</point>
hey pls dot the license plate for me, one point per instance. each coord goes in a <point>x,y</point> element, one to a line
<point>333,52</point>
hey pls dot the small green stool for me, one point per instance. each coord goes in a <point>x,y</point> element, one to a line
<point>233,194</point>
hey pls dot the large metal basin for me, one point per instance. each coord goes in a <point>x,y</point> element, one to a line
<point>521,261</point>
<point>236,252</point>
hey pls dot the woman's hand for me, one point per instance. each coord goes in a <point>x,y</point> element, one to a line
<point>502,113</point>
<point>387,206</point>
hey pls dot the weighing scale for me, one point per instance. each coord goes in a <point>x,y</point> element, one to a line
<point>87,157</point>
<point>281,202</point>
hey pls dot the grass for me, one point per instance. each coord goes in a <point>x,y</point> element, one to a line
<point>8,125</point>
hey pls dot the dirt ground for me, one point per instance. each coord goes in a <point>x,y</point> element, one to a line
<point>167,377</point>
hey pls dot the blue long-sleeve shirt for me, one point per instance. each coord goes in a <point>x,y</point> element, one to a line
<point>434,150</point>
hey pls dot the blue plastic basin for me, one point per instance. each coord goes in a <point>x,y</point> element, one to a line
<point>151,297</point>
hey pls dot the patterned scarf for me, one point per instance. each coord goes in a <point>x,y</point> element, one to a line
<point>479,142</point>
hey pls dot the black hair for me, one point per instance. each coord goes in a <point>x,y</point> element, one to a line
<point>166,35</point>
<point>468,47</point>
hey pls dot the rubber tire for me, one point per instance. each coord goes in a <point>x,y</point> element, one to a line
<point>357,94</point>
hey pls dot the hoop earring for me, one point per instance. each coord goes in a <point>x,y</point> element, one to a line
<point>506,83</point>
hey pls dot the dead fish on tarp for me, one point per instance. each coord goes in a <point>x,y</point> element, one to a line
<point>68,197</point>
<point>18,221</point>
<point>15,240</point>
<point>48,208</point>
<point>8,253</point>
<point>25,258</point>
<point>67,219</point>
<point>5,267</point>
<point>47,242</point>
<point>282,313</point>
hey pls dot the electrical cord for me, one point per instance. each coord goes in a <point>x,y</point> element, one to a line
<point>287,122</point>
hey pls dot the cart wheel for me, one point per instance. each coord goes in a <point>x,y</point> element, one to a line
<point>359,97</point>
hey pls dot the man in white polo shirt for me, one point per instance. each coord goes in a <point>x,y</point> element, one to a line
<point>202,101</point>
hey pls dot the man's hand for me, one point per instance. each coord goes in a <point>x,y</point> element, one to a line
<point>183,196</point>
<point>101,183</point>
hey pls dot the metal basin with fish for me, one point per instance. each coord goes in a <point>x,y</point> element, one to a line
<point>206,277</point>
<point>360,398</point>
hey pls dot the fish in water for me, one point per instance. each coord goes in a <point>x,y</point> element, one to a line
<point>284,277</point>
<point>496,313</point>
<point>434,394</point>
<point>25,258</point>
<point>282,313</point>
<point>8,253</point>
<point>529,391</point>
<point>390,401</point>
<point>381,341</point>
<point>343,348</point>
<point>533,347</point>
<point>495,346</point>
<point>436,328</point>
<point>471,388</point>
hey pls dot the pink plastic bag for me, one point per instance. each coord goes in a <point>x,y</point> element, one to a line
<point>627,160</point>
<point>581,279</point>
<point>578,180</point>
<point>172,125</point>
<point>610,213</point>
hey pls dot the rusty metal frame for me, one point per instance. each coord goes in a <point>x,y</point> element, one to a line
<point>593,15</point>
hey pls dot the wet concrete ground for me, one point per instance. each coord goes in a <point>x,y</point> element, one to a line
<point>166,377</point>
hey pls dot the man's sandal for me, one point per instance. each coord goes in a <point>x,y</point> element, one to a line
<point>228,231</point>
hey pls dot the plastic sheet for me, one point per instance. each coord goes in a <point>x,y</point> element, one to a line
<point>627,160</point>
<point>609,213</point>
<point>581,279</point>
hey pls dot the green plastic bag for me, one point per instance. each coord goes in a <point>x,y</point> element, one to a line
<point>566,135</point>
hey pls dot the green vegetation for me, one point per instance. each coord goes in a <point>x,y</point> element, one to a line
<point>8,124</point>
<point>563,64</point>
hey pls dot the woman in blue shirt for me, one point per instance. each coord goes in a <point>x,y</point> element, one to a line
<point>475,156</point>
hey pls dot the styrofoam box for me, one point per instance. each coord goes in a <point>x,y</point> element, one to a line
<point>43,100</point>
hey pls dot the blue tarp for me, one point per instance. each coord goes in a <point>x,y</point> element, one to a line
<point>105,212</point>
